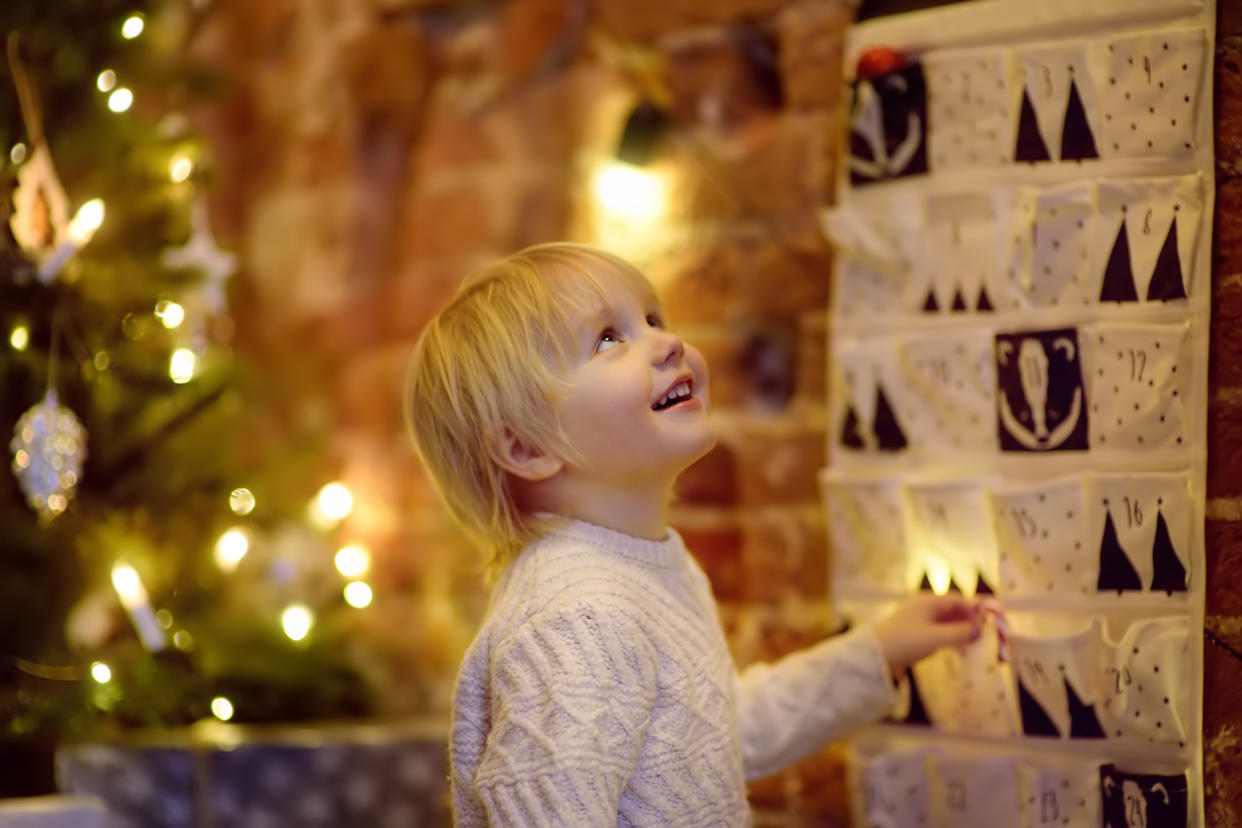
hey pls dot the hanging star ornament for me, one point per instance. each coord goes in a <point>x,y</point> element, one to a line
<point>201,253</point>
<point>49,448</point>
<point>40,207</point>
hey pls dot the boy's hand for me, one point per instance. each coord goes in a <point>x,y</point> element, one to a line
<point>924,624</point>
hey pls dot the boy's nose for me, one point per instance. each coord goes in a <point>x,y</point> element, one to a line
<point>667,346</point>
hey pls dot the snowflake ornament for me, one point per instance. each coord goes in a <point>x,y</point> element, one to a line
<point>49,448</point>
<point>201,253</point>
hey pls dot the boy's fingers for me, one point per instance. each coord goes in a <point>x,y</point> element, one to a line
<point>952,633</point>
<point>949,607</point>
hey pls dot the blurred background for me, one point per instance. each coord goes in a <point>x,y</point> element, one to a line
<point>229,221</point>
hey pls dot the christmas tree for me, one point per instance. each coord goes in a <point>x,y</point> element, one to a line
<point>158,560</point>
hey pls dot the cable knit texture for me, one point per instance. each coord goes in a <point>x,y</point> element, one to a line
<point>600,692</point>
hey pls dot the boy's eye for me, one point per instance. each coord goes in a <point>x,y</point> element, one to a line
<point>655,321</point>
<point>608,339</point>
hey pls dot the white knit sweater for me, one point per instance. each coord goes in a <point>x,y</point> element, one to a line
<point>600,692</point>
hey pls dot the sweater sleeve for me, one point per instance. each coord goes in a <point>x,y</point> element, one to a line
<point>790,709</point>
<point>573,691</point>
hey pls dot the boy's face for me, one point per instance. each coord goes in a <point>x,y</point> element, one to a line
<point>636,409</point>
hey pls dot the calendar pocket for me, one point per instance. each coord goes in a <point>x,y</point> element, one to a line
<point>1147,800</point>
<point>868,536</point>
<point>871,269</point>
<point>1137,377</point>
<point>960,249</point>
<point>1060,110</point>
<point>888,126</point>
<point>1040,402</point>
<point>893,790</point>
<point>1143,524</point>
<point>1060,270</point>
<point>971,96</point>
<point>950,533</point>
<point>1057,683</point>
<point>975,791</point>
<point>1041,534</point>
<point>947,388</point>
<point>1152,96</point>
<point>1145,238</point>
<point>1146,686</point>
<point>1063,794</point>
<point>866,378</point>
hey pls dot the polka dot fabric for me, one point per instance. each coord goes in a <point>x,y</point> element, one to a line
<point>1145,236</point>
<point>1144,692</point>
<point>947,388</point>
<point>1048,670</point>
<point>1041,538</point>
<point>1060,85</point>
<point>971,95</point>
<point>960,252</point>
<point>868,536</point>
<point>1063,794</point>
<point>951,526</point>
<point>1152,93</point>
<point>893,790</point>
<point>1060,265</point>
<point>1140,524</point>
<point>1137,378</point>
<point>978,791</point>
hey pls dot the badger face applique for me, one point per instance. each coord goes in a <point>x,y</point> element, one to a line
<point>1143,800</point>
<point>1040,401</point>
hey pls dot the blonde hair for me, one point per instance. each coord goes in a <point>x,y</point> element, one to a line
<point>493,360</point>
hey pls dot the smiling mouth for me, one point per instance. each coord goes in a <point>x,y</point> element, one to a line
<point>679,393</point>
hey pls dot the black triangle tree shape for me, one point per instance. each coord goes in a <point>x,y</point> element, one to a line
<point>850,436</point>
<point>886,429</point>
<point>984,302</point>
<point>930,305</point>
<point>1030,145</point>
<point>982,587</point>
<point>1168,572</point>
<point>918,711</point>
<point>1084,724</point>
<point>1035,720</point>
<point>1118,274</point>
<point>925,584</point>
<point>1077,142</point>
<point>1166,279</point>
<point>1116,571</point>
<point>959,301</point>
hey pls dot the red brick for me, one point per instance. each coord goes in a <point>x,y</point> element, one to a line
<point>1228,106</point>
<point>1223,540</point>
<point>811,52</point>
<point>822,788</point>
<point>1225,352</point>
<point>531,31</point>
<point>386,72</point>
<point>710,481</point>
<point>1222,732</point>
<point>698,283</point>
<point>645,19</point>
<point>812,381</point>
<point>1224,473</point>
<point>713,81</point>
<point>784,556</point>
<point>790,274</point>
<point>1228,234</point>
<point>451,221</point>
<point>452,137</point>
<point>780,467</point>
<point>724,350</point>
<point>718,549</point>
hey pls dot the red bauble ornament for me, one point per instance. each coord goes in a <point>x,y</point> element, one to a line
<point>879,60</point>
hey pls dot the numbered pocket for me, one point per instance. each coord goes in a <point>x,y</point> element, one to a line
<point>1149,800</point>
<point>871,267</point>
<point>971,96</point>
<point>1146,688</point>
<point>1040,402</point>
<point>892,789</point>
<point>888,126</point>
<point>1060,270</point>
<point>868,536</point>
<point>1153,93</point>
<point>1137,378</point>
<point>866,376</point>
<point>975,791</point>
<point>1145,238</point>
<point>1059,119</point>
<point>1040,535</point>
<point>1063,794</point>
<point>947,390</point>
<point>960,250</point>
<point>1057,685</point>
<point>1143,523</point>
<point>950,533</point>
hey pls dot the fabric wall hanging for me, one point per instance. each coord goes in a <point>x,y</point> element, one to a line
<point>1018,390</point>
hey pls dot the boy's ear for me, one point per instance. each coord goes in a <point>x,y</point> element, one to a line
<point>524,460</point>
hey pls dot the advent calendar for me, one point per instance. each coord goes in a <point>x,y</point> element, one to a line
<point>1019,353</point>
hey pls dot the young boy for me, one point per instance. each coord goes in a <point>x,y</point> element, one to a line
<point>554,411</point>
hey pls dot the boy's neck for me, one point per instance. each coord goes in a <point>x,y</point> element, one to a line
<point>641,512</point>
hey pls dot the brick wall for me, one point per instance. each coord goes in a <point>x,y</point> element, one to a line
<point>368,155</point>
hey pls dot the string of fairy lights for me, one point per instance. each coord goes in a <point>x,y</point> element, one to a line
<point>49,443</point>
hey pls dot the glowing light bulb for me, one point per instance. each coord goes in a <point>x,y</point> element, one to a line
<point>20,337</point>
<point>128,586</point>
<point>222,708</point>
<point>231,548</point>
<point>132,27</point>
<point>179,168</point>
<point>938,575</point>
<point>357,594</point>
<point>169,313</point>
<point>335,501</point>
<point>296,621</point>
<point>181,366</point>
<point>18,153</point>
<point>120,100</point>
<point>352,561</point>
<point>629,192</point>
<point>85,222</point>
<point>101,672</point>
<point>241,501</point>
<point>105,81</point>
